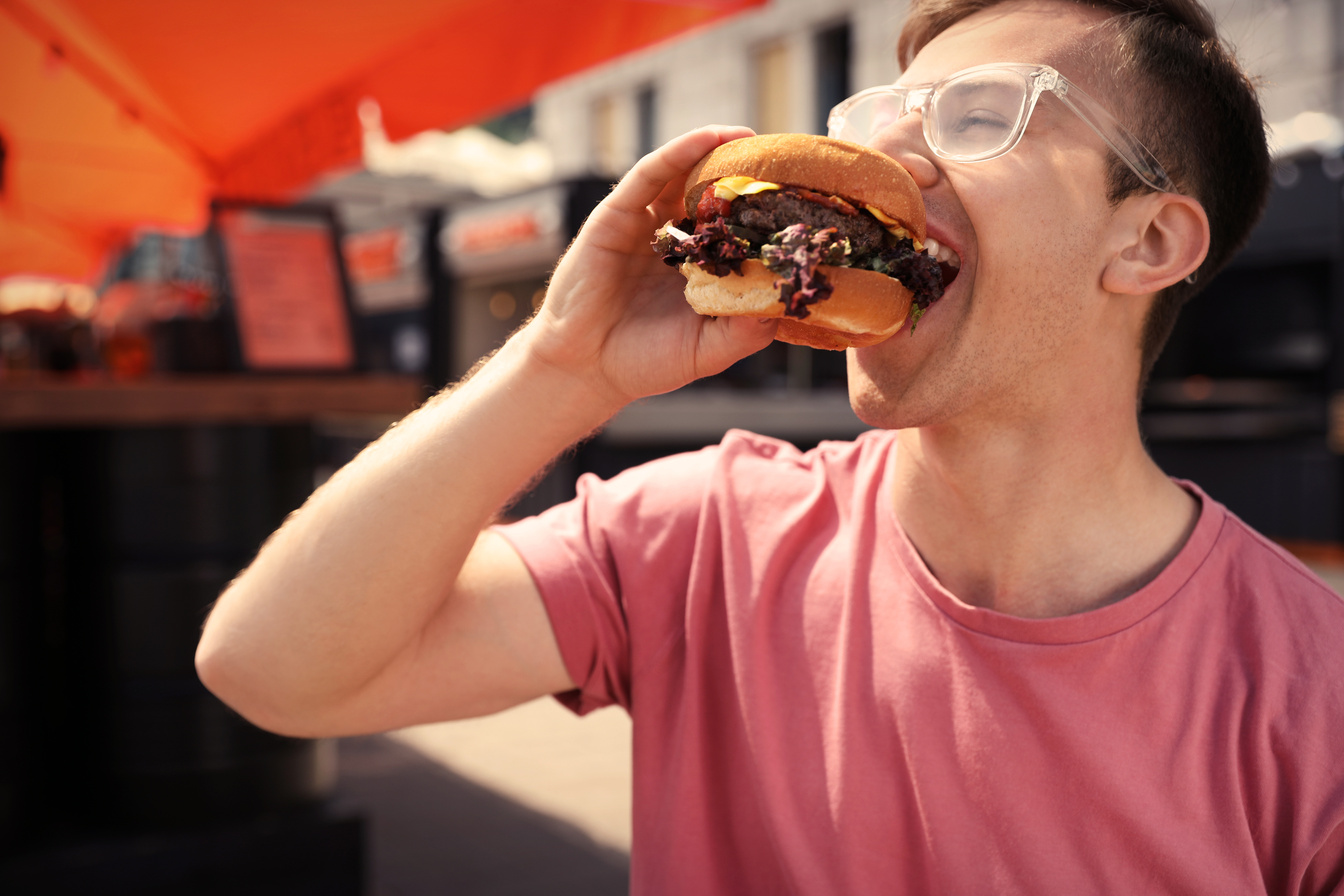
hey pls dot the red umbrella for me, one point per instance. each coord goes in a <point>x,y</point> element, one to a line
<point>117,115</point>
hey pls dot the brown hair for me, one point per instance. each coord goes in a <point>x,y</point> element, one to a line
<point>1191,104</point>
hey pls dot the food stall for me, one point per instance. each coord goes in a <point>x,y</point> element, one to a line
<point>129,497</point>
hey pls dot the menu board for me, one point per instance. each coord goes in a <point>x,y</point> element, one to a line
<point>286,288</point>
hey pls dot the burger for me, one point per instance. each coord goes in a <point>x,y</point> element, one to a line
<point>825,234</point>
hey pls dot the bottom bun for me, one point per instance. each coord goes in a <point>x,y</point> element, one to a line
<point>865,307</point>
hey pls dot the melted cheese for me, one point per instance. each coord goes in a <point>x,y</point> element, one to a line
<point>894,227</point>
<point>741,185</point>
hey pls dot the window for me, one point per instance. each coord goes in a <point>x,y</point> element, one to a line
<point>646,115</point>
<point>773,97</point>
<point>606,150</point>
<point>833,84</point>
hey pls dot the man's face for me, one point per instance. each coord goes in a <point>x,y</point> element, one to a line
<point>1022,321</point>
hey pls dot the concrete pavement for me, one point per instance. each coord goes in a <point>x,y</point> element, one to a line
<point>532,800</point>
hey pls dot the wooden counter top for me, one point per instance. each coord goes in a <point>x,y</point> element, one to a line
<point>225,398</point>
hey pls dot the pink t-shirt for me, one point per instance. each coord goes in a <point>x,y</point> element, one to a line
<point>814,714</point>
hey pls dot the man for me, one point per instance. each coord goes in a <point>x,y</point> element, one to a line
<point>988,647</point>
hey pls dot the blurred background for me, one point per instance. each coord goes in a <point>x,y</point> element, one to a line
<point>238,240</point>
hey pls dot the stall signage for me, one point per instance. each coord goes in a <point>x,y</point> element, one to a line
<point>506,234</point>
<point>499,232</point>
<point>376,255</point>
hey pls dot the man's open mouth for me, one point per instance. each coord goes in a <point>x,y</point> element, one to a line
<point>949,263</point>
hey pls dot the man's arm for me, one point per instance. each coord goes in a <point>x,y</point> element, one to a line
<point>379,604</point>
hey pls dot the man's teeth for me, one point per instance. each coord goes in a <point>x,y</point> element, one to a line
<point>942,253</point>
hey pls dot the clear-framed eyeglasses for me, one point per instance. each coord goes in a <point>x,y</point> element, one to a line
<point>981,113</point>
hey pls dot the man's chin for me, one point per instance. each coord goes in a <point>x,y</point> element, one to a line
<point>875,406</point>
<point>887,394</point>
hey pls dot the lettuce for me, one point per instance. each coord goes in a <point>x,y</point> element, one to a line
<point>794,254</point>
<point>712,246</point>
<point>917,271</point>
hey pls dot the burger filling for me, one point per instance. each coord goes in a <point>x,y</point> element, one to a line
<point>793,231</point>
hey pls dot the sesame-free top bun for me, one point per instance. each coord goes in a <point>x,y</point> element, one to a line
<point>820,164</point>
<point>866,307</point>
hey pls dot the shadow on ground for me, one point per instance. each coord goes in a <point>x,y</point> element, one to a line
<point>432,832</point>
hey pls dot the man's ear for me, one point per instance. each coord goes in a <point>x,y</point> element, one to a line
<point>1159,239</point>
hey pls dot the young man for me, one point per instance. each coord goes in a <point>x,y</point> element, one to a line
<point>987,647</point>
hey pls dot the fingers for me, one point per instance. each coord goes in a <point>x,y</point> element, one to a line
<point>652,174</point>
<point>726,340</point>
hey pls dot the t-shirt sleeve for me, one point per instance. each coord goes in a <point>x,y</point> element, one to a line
<point>612,567</point>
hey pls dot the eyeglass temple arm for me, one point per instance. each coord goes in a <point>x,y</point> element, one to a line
<point>1122,143</point>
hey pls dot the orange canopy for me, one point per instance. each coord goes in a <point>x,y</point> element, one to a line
<point>117,115</point>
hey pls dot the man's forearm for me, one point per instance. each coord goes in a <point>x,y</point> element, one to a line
<point>354,576</point>
<point>357,612</point>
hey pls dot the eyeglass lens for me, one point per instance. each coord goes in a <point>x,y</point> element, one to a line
<point>973,115</point>
<point>977,115</point>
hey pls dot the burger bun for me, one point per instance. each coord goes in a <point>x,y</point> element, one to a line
<point>865,307</point>
<point>821,164</point>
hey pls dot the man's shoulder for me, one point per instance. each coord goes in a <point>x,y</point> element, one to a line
<point>1258,564</point>
<point>750,462</point>
<point>742,446</point>
<point>743,467</point>
<point>1280,601</point>
<point>1276,627</point>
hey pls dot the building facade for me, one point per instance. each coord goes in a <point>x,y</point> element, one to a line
<point>782,67</point>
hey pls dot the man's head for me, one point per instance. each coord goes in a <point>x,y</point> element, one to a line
<point>1040,329</point>
<point>1170,81</point>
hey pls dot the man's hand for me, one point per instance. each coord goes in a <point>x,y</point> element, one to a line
<point>615,314</point>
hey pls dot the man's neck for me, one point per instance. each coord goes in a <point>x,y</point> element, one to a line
<point>1035,522</point>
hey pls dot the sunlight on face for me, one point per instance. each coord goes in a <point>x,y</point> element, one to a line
<point>1021,316</point>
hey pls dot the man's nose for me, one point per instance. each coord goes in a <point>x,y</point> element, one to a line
<point>904,141</point>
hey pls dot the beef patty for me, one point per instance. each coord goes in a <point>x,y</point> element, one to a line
<point>773,210</point>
